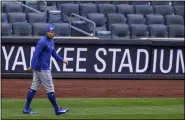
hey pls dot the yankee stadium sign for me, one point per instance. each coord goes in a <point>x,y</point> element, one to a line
<point>99,59</point>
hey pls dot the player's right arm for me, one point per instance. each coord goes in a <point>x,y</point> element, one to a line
<point>39,47</point>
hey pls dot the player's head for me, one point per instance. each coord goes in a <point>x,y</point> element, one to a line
<point>50,29</point>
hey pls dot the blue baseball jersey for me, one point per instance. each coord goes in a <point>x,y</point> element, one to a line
<point>45,48</point>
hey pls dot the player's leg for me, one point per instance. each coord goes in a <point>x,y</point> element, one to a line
<point>31,93</point>
<point>47,82</point>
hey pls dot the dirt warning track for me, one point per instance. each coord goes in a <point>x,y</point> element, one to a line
<point>73,88</point>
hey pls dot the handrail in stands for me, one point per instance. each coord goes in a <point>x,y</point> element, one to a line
<point>29,7</point>
<point>85,19</point>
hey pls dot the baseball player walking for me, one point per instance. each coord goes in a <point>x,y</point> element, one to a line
<point>45,48</point>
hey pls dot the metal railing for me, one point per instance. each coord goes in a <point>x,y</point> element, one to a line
<point>85,19</point>
<point>29,7</point>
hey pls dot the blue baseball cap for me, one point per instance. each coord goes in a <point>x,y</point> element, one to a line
<point>50,27</point>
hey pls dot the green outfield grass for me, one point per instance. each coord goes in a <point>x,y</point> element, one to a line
<point>97,108</point>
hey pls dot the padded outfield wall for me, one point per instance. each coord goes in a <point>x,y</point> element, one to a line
<point>92,58</point>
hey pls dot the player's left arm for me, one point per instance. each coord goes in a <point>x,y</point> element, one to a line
<point>58,57</point>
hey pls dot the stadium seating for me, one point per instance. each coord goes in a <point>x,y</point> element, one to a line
<point>158,30</point>
<point>6,29</point>
<point>17,17</point>
<point>179,10</point>
<point>115,18</point>
<point>138,31</point>
<point>21,29</point>
<point>156,18</point>
<point>144,9</point>
<point>125,9</point>
<point>54,16</point>
<point>176,31</point>
<point>62,29</point>
<point>39,29</point>
<point>10,7</point>
<point>174,19</point>
<point>120,31</point>
<point>36,17</point>
<point>4,17</point>
<point>88,8</point>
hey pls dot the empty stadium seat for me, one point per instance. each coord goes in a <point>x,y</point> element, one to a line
<point>82,2</point>
<point>6,29</point>
<point>39,29</point>
<point>138,31</point>
<point>99,20</point>
<point>10,7</point>
<point>125,9</point>
<point>88,8</point>
<point>135,19</point>
<point>17,17</point>
<point>36,17</point>
<point>54,16</point>
<point>179,10</point>
<point>144,9</point>
<point>102,2</point>
<point>51,5</point>
<point>158,30</point>
<point>67,9</point>
<point>163,10</point>
<point>32,4</point>
<point>120,2</point>
<point>62,29</point>
<point>176,31</point>
<point>106,8</point>
<point>154,19</point>
<point>59,3</point>
<point>115,18</point>
<point>120,31</point>
<point>42,5</point>
<point>4,17</point>
<point>174,19</point>
<point>140,2</point>
<point>177,3</point>
<point>160,2</point>
<point>21,29</point>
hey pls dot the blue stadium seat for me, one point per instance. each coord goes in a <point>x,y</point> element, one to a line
<point>6,29</point>
<point>155,19</point>
<point>138,31</point>
<point>82,2</point>
<point>59,3</point>
<point>158,30</point>
<point>4,17</point>
<point>125,9</point>
<point>21,29</point>
<point>32,4</point>
<point>62,29</point>
<point>140,3</point>
<point>42,5</point>
<point>88,8</point>
<point>163,10</point>
<point>115,18</point>
<point>36,17</point>
<point>176,31</point>
<point>135,19</point>
<point>39,29</point>
<point>102,2</point>
<point>144,9</point>
<point>160,2</point>
<point>174,19</point>
<point>17,17</point>
<point>99,20</point>
<point>10,7</point>
<point>179,10</point>
<point>67,9</point>
<point>120,2</point>
<point>54,16</point>
<point>51,5</point>
<point>178,3</point>
<point>106,8</point>
<point>120,31</point>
